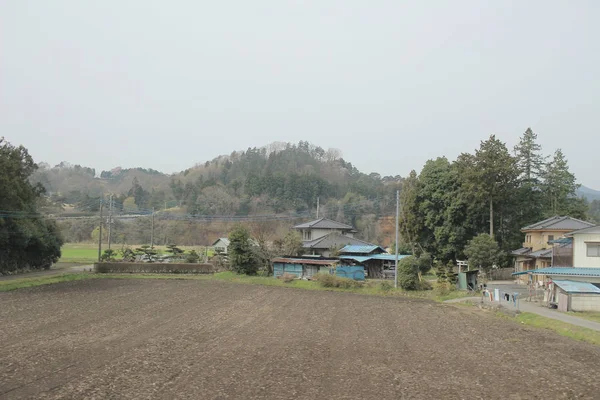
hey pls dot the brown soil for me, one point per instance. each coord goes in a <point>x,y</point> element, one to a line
<point>209,340</point>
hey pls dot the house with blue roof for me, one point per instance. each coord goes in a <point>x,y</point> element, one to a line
<point>373,258</point>
<point>324,236</point>
<point>537,250</point>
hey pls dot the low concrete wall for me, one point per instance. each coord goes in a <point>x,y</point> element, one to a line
<point>153,268</point>
<point>585,302</point>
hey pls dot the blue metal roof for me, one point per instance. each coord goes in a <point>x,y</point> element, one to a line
<point>386,257</point>
<point>353,248</point>
<point>577,287</point>
<point>563,271</point>
<point>358,259</point>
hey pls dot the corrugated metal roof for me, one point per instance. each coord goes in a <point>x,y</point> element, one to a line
<point>558,223</point>
<point>358,259</point>
<point>566,240</point>
<point>354,248</point>
<point>385,257</point>
<point>304,261</point>
<point>324,223</point>
<point>389,257</point>
<point>576,287</point>
<point>563,271</point>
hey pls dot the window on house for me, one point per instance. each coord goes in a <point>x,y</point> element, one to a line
<point>307,235</point>
<point>550,238</point>
<point>593,249</point>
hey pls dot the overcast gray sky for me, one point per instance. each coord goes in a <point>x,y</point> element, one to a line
<point>167,84</point>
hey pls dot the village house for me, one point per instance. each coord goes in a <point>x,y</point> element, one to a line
<point>374,258</point>
<point>572,282</point>
<point>540,238</point>
<point>221,245</point>
<point>325,237</point>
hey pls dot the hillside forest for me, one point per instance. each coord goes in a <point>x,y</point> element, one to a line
<point>492,189</point>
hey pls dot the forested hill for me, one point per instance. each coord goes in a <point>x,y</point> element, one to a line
<point>279,178</point>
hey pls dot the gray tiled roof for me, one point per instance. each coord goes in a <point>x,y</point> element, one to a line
<point>544,253</point>
<point>324,223</point>
<point>558,223</point>
<point>526,252</point>
<point>523,251</point>
<point>333,240</point>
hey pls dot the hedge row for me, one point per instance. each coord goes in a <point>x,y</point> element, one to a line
<point>153,268</point>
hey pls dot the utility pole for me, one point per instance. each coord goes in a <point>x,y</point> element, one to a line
<point>100,236</point>
<point>317,208</point>
<point>109,219</point>
<point>152,231</point>
<point>397,218</point>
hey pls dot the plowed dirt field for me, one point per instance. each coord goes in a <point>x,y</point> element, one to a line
<point>201,339</point>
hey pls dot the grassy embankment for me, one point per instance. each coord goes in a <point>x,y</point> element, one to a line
<point>562,328</point>
<point>374,287</point>
<point>21,283</point>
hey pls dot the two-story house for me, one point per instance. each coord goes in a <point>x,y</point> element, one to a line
<point>537,248</point>
<point>323,236</point>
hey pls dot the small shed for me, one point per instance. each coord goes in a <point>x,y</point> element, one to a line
<point>221,245</point>
<point>355,272</point>
<point>467,280</point>
<point>301,267</point>
<point>574,296</point>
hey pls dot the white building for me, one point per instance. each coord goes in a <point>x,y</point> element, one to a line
<point>586,247</point>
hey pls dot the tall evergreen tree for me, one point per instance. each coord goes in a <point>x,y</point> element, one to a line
<point>529,158</point>
<point>531,165</point>
<point>490,176</point>
<point>559,188</point>
<point>409,222</point>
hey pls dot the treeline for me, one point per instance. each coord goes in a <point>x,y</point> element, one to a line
<point>492,190</point>
<point>281,178</point>
<point>27,240</point>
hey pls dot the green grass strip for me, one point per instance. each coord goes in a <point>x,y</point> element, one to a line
<point>14,284</point>
<point>562,328</point>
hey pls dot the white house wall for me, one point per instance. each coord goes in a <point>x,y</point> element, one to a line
<point>318,233</point>
<point>580,258</point>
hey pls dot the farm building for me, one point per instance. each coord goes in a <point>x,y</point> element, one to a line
<point>574,296</point>
<point>302,267</point>
<point>221,245</point>
<point>374,258</point>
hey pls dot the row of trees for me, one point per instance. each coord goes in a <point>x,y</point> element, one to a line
<point>492,190</point>
<point>27,240</point>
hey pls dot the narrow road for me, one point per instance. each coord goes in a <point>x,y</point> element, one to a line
<point>535,308</point>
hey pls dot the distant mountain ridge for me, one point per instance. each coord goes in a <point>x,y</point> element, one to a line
<point>588,193</point>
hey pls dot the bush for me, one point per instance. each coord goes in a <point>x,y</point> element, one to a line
<point>153,268</point>
<point>192,257</point>
<point>108,255</point>
<point>385,286</point>
<point>444,288</point>
<point>331,281</point>
<point>287,278</point>
<point>241,254</point>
